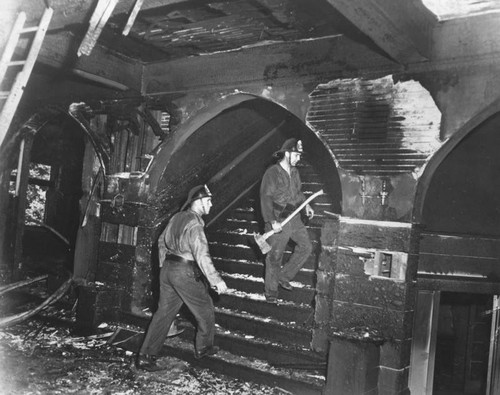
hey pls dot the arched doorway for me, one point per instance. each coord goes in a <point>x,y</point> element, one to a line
<point>458,271</point>
<point>42,170</point>
<point>229,147</point>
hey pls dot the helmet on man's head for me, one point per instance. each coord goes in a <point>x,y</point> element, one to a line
<point>290,145</point>
<point>198,192</point>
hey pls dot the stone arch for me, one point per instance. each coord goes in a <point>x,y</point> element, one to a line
<point>228,146</point>
<point>36,135</point>
<point>446,149</point>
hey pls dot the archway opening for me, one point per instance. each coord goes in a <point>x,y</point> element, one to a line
<point>231,150</point>
<point>459,264</point>
<point>43,187</point>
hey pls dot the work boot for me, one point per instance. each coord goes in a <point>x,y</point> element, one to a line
<point>271,299</point>
<point>147,363</point>
<point>212,350</point>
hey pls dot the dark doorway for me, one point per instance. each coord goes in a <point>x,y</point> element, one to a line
<point>51,186</point>
<point>462,345</point>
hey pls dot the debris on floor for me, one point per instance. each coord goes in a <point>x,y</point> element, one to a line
<point>37,357</point>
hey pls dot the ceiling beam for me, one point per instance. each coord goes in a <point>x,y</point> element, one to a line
<point>392,28</point>
<point>308,61</point>
<point>59,51</point>
<point>69,12</point>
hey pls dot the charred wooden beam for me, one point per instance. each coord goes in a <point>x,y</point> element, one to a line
<point>132,17</point>
<point>381,24</point>
<point>76,12</point>
<point>59,51</point>
<point>311,61</point>
<point>99,18</point>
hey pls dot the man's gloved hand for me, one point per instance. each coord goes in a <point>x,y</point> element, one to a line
<point>276,226</point>
<point>221,287</point>
<point>309,211</point>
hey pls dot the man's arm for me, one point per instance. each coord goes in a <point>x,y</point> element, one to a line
<point>267,189</point>
<point>199,248</point>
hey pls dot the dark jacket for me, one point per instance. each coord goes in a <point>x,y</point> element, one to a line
<point>279,189</point>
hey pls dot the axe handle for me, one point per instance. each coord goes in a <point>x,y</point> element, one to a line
<point>294,213</point>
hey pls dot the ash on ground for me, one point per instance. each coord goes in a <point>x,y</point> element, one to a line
<point>39,358</point>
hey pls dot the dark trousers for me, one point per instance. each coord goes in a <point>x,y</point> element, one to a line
<point>275,272</point>
<point>178,285</point>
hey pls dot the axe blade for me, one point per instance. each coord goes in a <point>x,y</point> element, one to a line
<point>262,243</point>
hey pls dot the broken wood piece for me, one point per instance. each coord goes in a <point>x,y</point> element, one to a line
<point>16,318</point>
<point>332,214</point>
<point>97,22</point>
<point>101,80</point>
<point>132,16</point>
<point>19,284</point>
<point>92,337</point>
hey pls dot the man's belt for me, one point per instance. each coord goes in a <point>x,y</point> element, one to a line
<point>180,259</point>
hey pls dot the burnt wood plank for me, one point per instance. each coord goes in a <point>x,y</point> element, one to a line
<point>372,234</point>
<point>284,312</point>
<point>457,284</point>
<point>298,295</point>
<point>467,246</point>
<point>287,334</point>
<point>459,265</point>
<point>256,269</point>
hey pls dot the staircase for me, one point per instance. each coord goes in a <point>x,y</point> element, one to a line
<point>260,341</point>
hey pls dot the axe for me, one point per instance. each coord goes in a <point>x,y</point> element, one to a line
<point>261,239</point>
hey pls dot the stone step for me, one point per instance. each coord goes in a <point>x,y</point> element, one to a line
<point>260,348</point>
<point>296,381</point>
<point>230,224</point>
<point>296,375</point>
<point>244,237</point>
<point>256,269</point>
<point>268,328</point>
<point>255,285</point>
<point>250,254</point>
<point>284,311</point>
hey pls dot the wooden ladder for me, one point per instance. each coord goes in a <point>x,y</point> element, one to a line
<point>12,96</point>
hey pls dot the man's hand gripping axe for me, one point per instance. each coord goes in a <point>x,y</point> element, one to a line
<point>261,239</point>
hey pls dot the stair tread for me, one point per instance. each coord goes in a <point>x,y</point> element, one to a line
<point>248,277</point>
<point>260,319</point>
<point>257,369</point>
<point>260,297</point>
<point>305,353</point>
<point>252,363</point>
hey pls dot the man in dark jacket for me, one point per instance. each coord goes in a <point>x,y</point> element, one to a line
<point>280,194</point>
<point>186,267</point>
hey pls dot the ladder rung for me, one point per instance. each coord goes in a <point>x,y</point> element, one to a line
<point>17,63</point>
<point>4,94</point>
<point>29,29</point>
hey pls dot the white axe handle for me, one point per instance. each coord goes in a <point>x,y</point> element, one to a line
<point>297,210</point>
<point>294,213</point>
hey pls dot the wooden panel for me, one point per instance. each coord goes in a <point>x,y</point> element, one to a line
<point>374,234</point>
<point>451,256</point>
<point>466,246</point>
<point>457,284</point>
